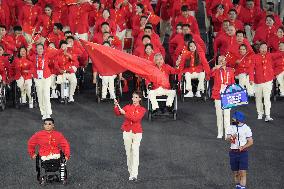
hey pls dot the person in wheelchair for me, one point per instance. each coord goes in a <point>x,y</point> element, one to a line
<point>67,70</point>
<point>160,91</point>
<point>194,66</point>
<point>50,143</point>
<point>23,69</point>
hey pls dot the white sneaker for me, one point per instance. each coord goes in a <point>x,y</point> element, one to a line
<point>130,178</point>
<point>43,117</point>
<point>197,94</point>
<point>282,94</point>
<point>54,94</point>
<point>23,100</point>
<point>47,116</point>
<point>71,99</point>
<point>259,116</point>
<point>268,118</point>
<point>31,105</point>
<point>189,94</point>
<point>219,136</point>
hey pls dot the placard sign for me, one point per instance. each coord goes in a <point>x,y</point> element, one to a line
<point>234,96</point>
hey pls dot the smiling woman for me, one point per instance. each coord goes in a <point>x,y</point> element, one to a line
<point>132,132</point>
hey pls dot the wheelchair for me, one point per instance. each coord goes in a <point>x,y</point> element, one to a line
<point>64,92</point>
<point>276,90</point>
<point>3,95</point>
<point>80,75</point>
<point>194,82</point>
<point>117,88</point>
<point>50,171</point>
<point>17,101</point>
<point>162,101</point>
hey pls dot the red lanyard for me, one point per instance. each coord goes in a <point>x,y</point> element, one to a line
<point>222,77</point>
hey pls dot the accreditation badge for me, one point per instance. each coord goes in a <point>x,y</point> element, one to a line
<point>40,74</point>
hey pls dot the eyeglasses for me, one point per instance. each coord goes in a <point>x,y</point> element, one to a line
<point>48,123</point>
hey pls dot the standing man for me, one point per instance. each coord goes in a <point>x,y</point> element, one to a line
<point>223,76</point>
<point>262,75</point>
<point>240,136</point>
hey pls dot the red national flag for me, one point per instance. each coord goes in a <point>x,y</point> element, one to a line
<point>111,61</point>
<point>154,19</point>
<point>231,59</point>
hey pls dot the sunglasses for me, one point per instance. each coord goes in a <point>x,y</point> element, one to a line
<point>48,123</point>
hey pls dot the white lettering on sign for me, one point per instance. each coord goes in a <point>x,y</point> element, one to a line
<point>234,99</point>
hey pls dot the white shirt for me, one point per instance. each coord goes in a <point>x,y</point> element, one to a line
<point>243,132</point>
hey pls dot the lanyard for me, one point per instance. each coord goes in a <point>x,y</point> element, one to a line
<point>42,61</point>
<point>227,76</point>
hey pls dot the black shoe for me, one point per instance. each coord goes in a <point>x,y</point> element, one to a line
<point>135,179</point>
<point>154,112</point>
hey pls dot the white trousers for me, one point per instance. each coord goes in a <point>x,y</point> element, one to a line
<point>43,94</point>
<point>108,83</point>
<point>244,82</point>
<point>53,81</point>
<point>71,77</point>
<point>263,91</point>
<point>160,92</point>
<point>280,79</point>
<point>132,144</point>
<point>26,88</point>
<point>83,36</point>
<point>200,76</point>
<point>223,118</point>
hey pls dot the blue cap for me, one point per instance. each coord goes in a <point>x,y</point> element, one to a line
<point>239,116</point>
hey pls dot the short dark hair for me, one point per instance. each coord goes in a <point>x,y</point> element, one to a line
<point>262,43</point>
<point>233,10</point>
<point>184,8</point>
<point>188,37</point>
<point>148,27</point>
<point>106,42</point>
<point>49,119</point>
<point>270,16</point>
<point>186,25</point>
<point>68,32</point>
<point>59,26</point>
<point>3,26</point>
<point>48,6</point>
<point>240,31</point>
<point>140,5</point>
<point>17,28</point>
<point>22,47</point>
<point>243,45</point>
<point>146,36</point>
<point>149,44</point>
<point>62,42</point>
<point>104,23</point>
<point>143,17</point>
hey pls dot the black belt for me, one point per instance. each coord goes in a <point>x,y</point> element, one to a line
<point>238,150</point>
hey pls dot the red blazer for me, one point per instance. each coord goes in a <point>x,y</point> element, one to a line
<point>189,20</point>
<point>55,38</point>
<point>7,74</point>
<point>46,23</point>
<point>3,72</point>
<point>278,63</point>
<point>202,66</point>
<point>78,18</point>
<point>238,24</point>
<point>163,9</point>
<point>5,17</point>
<point>223,43</point>
<point>256,3</point>
<point>212,4</point>
<point>64,63</point>
<point>133,117</point>
<point>273,42</point>
<point>244,66</point>
<point>262,68</point>
<point>263,33</point>
<point>8,44</point>
<point>20,66</point>
<point>249,16</point>
<point>221,76</point>
<point>48,143</point>
<point>20,41</point>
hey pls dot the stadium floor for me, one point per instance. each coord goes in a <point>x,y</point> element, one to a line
<point>173,154</point>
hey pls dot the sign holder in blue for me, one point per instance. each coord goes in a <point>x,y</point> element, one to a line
<point>233,96</point>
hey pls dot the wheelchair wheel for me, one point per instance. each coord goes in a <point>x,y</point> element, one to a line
<point>149,116</point>
<point>175,115</point>
<point>42,181</point>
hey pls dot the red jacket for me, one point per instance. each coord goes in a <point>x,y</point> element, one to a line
<point>263,33</point>
<point>202,66</point>
<point>218,21</point>
<point>249,16</point>
<point>221,76</point>
<point>191,20</point>
<point>237,24</point>
<point>20,41</point>
<point>78,18</point>
<point>278,63</point>
<point>48,143</point>
<point>256,3</point>
<point>28,17</point>
<point>38,62</point>
<point>177,4</point>
<point>234,47</point>
<point>5,17</point>
<point>7,74</point>
<point>140,50</point>
<point>2,72</point>
<point>101,20</point>
<point>65,63</point>
<point>20,66</point>
<point>262,68</point>
<point>46,23</point>
<point>244,66</point>
<point>55,38</point>
<point>133,117</point>
<point>212,4</point>
<point>223,43</point>
<point>8,44</point>
<point>163,9</point>
<point>273,42</point>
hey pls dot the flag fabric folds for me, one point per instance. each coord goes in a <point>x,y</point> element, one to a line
<point>109,61</point>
